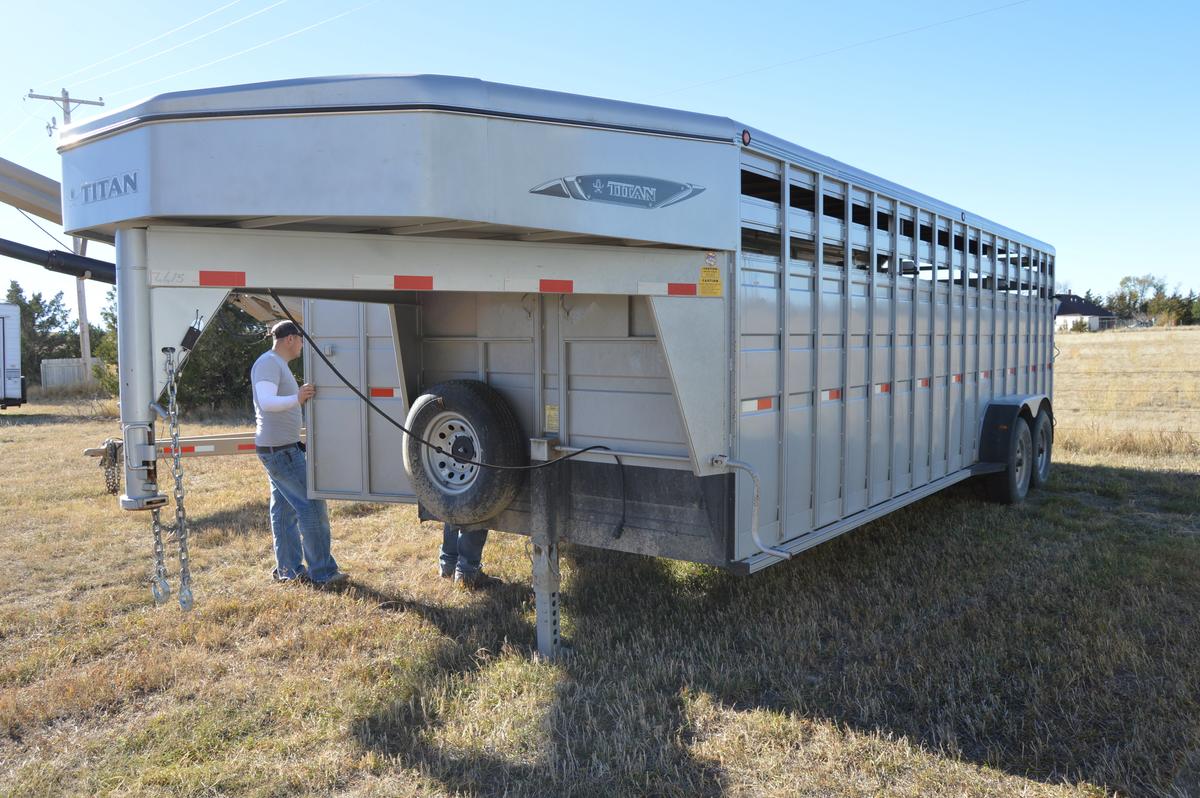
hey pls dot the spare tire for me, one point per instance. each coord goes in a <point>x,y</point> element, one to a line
<point>471,423</point>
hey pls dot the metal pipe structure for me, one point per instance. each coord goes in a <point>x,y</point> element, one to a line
<point>62,262</point>
<point>135,371</point>
<point>722,460</point>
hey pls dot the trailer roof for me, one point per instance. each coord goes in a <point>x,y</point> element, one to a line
<point>376,93</point>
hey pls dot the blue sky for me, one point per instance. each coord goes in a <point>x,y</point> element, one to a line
<point>1075,122</point>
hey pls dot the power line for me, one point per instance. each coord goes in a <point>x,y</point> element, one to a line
<point>44,230</point>
<point>267,43</point>
<point>862,43</point>
<point>192,40</point>
<point>200,18</point>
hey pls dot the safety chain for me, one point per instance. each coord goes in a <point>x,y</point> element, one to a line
<point>108,463</point>
<point>159,588</point>
<point>181,530</point>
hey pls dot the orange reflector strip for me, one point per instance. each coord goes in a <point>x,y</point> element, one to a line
<point>958,378</point>
<point>766,404</point>
<point>556,286</point>
<point>923,382</point>
<point>681,289</point>
<point>412,282</point>
<point>835,393</point>
<point>243,447</point>
<point>885,387</point>
<point>383,392</point>
<point>217,278</point>
<point>182,450</point>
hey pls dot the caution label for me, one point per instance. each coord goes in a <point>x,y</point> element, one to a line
<point>551,418</point>
<point>710,281</point>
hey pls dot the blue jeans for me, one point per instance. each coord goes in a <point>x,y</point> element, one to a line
<point>300,525</point>
<point>462,549</point>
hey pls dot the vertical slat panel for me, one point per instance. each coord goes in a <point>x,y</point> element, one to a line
<point>817,312</point>
<point>785,341</point>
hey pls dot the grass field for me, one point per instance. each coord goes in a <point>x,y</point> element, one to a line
<point>952,648</point>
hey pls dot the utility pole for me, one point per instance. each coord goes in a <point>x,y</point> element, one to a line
<point>78,245</point>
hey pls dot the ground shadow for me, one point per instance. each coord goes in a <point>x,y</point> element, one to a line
<point>1054,641</point>
<point>247,518</point>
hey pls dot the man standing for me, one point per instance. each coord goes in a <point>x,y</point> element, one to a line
<point>299,525</point>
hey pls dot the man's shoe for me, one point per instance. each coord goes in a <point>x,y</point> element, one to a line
<point>301,578</point>
<point>476,580</point>
<point>338,579</point>
<point>446,573</point>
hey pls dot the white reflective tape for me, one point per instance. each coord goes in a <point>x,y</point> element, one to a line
<point>174,279</point>
<point>523,285</point>
<point>376,282</point>
<point>205,449</point>
<point>652,289</point>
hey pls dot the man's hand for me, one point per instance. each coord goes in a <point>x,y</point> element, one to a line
<point>306,392</point>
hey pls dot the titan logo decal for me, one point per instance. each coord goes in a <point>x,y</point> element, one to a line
<point>105,188</point>
<point>631,191</point>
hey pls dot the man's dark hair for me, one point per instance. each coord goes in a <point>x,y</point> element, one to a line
<point>283,329</point>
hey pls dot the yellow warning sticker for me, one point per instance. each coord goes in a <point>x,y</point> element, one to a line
<point>551,418</point>
<point>710,281</point>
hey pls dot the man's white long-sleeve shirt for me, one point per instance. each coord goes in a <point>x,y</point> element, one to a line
<point>277,413</point>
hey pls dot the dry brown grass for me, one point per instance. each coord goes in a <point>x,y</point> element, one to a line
<point>1129,391</point>
<point>953,648</point>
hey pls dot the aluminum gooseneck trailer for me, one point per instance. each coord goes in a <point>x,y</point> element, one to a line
<point>772,347</point>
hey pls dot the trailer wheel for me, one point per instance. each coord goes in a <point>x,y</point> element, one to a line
<point>471,422</point>
<point>1011,485</point>
<point>1043,442</point>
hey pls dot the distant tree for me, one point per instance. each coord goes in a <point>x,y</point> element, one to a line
<point>1095,299</point>
<point>46,330</point>
<point>216,374</point>
<point>1132,299</point>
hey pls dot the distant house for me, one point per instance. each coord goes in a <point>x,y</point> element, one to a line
<point>1072,309</point>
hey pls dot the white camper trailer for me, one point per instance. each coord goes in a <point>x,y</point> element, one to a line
<point>12,382</point>
<point>745,348</point>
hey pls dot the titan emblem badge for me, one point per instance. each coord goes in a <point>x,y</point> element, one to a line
<point>628,190</point>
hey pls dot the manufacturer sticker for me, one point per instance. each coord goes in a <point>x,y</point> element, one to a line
<point>551,424</point>
<point>632,191</point>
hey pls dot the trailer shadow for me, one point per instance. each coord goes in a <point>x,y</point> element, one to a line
<point>1054,641</point>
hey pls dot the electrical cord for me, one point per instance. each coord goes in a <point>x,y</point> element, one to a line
<point>401,427</point>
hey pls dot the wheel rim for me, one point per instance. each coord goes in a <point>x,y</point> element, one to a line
<point>1043,449</point>
<point>1023,460</point>
<point>444,430</point>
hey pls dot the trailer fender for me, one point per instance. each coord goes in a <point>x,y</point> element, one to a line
<point>1001,414</point>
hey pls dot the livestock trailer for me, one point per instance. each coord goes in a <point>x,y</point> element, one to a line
<point>729,348</point>
<point>12,383</point>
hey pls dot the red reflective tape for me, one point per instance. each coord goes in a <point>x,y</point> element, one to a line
<point>1050,366</point>
<point>244,447</point>
<point>182,450</point>
<point>986,374</point>
<point>1012,371</point>
<point>958,378</point>
<point>218,278</point>
<point>1033,368</point>
<point>681,289</point>
<point>765,404</point>
<point>923,382</point>
<point>834,393</point>
<point>412,282</point>
<point>556,286</point>
<point>383,392</point>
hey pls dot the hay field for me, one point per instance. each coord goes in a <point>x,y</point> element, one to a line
<point>1129,390</point>
<point>954,648</point>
